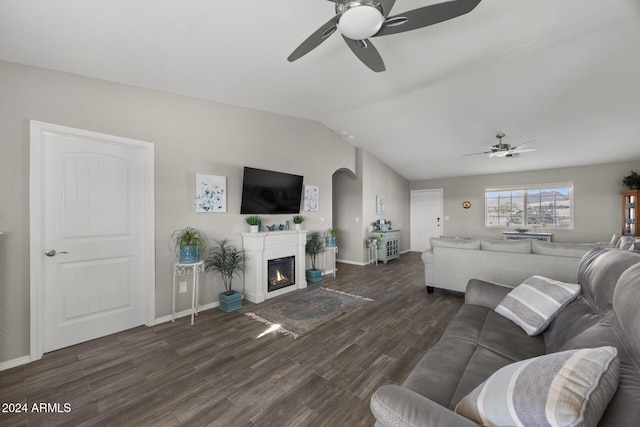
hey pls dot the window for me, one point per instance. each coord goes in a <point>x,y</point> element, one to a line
<point>531,206</point>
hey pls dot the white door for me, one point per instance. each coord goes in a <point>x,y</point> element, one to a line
<point>94,238</point>
<point>426,218</point>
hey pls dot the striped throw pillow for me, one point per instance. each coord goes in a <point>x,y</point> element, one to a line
<point>533,304</point>
<point>570,388</point>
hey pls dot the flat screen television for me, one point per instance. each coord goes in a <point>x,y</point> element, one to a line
<point>267,192</point>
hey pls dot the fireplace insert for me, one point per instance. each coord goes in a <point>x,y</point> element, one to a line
<point>281,273</point>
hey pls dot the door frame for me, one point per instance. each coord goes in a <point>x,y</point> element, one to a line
<point>37,247</point>
<point>439,191</point>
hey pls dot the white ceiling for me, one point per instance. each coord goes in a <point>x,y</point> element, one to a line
<point>563,72</point>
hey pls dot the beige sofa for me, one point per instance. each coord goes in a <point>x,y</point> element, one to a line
<point>452,262</point>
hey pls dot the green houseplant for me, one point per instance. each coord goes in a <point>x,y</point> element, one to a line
<point>331,237</point>
<point>228,261</point>
<point>632,181</point>
<point>298,220</point>
<point>313,247</point>
<point>188,244</point>
<point>254,222</point>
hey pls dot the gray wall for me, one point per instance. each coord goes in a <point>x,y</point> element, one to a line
<point>597,200</point>
<point>190,136</point>
<point>358,195</point>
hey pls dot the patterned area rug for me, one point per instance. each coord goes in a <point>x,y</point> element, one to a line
<point>302,313</point>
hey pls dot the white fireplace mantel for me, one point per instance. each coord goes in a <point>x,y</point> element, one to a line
<point>263,246</point>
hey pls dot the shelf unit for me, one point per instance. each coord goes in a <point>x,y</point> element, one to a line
<point>389,246</point>
<point>630,210</point>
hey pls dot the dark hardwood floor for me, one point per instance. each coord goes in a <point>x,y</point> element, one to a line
<point>218,373</point>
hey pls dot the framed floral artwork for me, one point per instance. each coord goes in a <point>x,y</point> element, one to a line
<point>311,198</point>
<point>211,193</point>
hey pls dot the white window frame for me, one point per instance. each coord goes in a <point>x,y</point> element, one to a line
<point>524,189</point>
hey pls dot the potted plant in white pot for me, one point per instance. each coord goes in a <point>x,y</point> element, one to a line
<point>313,247</point>
<point>188,244</point>
<point>254,222</point>
<point>228,261</point>
<point>297,221</point>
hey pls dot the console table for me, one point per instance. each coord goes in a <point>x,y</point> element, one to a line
<point>516,235</point>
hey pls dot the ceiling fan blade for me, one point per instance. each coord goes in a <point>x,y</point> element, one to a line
<point>315,39</point>
<point>387,5</point>
<point>477,154</point>
<point>425,16</point>
<point>367,53</point>
<point>522,150</point>
<point>500,153</point>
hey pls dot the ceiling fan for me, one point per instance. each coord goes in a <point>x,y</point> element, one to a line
<point>505,150</point>
<point>360,20</point>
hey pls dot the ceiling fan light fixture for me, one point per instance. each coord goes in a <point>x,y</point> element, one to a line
<point>360,21</point>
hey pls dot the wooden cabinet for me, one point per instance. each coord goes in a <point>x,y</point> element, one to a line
<point>389,246</point>
<point>630,212</point>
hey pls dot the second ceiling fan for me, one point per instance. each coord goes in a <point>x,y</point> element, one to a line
<point>358,21</point>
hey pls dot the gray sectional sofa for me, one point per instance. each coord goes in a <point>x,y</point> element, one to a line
<point>479,342</point>
<point>452,262</point>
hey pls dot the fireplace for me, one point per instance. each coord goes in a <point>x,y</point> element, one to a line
<point>281,272</point>
<point>261,280</point>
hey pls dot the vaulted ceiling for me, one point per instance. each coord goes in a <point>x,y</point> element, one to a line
<point>564,73</point>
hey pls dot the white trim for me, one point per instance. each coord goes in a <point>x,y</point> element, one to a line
<point>14,362</point>
<point>187,312</point>
<point>35,223</point>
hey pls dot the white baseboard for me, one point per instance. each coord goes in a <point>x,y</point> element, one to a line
<point>345,261</point>
<point>185,313</point>
<point>15,362</point>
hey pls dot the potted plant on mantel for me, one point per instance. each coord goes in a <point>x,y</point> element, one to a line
<point>298,220</point>
<point>188,244</point>
<point>254,222</point>
<point>228,261</point>
<point>313,247</point>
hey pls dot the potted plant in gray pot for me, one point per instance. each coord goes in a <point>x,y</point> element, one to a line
<point>228,261</point>
<point>313,247</point>
<point>188,244</point>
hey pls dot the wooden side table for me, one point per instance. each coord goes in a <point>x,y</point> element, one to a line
<point>179,270</point>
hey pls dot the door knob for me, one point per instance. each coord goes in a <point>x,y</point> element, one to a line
<point>53,252</point>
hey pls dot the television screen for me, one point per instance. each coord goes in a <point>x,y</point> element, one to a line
<point>267,192</point>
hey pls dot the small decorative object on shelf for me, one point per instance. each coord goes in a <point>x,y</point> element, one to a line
<point>188,243</point>
<point>381,225</point>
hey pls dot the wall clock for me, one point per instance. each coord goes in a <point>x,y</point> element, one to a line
<point>466,204</point>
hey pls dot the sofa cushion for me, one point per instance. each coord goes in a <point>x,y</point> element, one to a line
<point>513,246</point>
<point>533,304</point>
<point>453,242</point>
<point>561,249</point>
<point>564,389</point>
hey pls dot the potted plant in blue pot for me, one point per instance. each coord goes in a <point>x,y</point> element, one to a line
<point>188,244</point>
<point>331,237</point>
<point>313,247</point>
<point>228,261</point>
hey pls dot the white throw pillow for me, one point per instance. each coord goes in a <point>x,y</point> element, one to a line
<point>570,388</point>
<point>534,303</point>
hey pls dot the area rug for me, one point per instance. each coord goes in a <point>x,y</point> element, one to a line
<point>301,313</point>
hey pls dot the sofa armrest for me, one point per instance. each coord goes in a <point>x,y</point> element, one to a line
<point>485,294</point>
<point>393,405</point>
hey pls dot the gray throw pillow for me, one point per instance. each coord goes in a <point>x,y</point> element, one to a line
<point>570,388</point>
<point>534,303</point>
